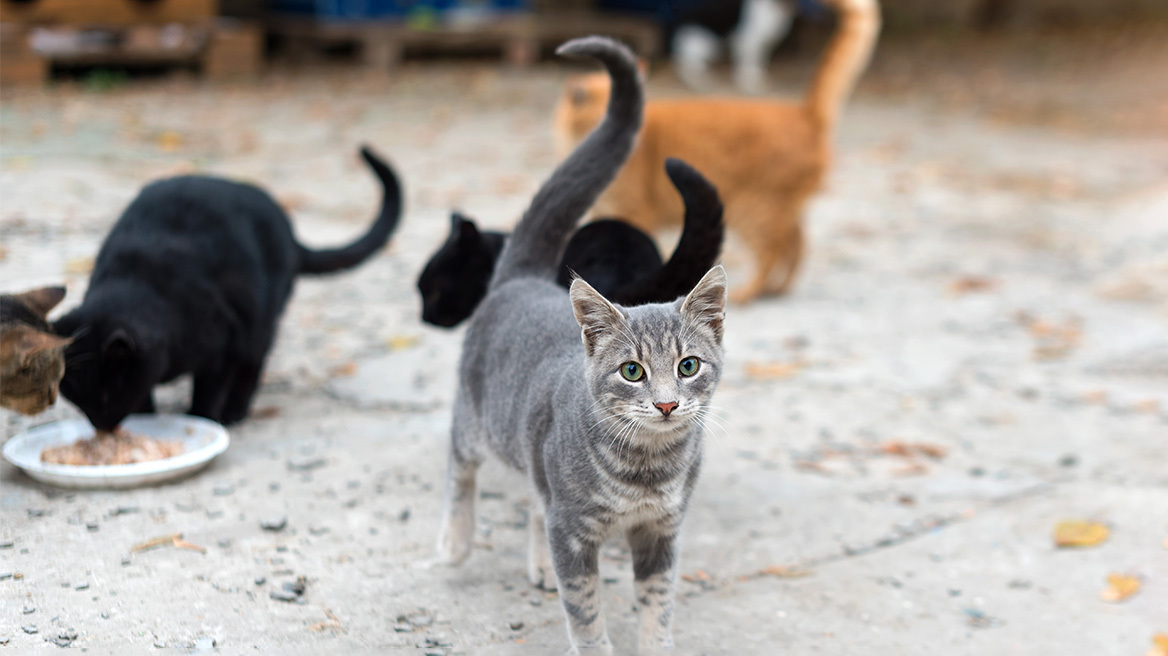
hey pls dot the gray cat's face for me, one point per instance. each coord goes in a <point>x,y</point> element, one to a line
<point>652,369</point>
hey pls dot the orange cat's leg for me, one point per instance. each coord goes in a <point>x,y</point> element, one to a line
<point>776,238</point>
<point>760,235</point>
<point>795,247</point>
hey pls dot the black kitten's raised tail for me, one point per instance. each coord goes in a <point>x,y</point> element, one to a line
<point>698,248</point>
<point>537,244</point>
<point>346,257</point>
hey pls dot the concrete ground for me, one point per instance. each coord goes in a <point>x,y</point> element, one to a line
<point>978,349</point>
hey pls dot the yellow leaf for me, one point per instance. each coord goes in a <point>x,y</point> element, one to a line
<point>169,141</point>
<point>1160,642</point>
<point>18,163</point>
<point>79,266</point>
<point>1120,587</point>
<point>1079,533</point>
<point>401,342</point>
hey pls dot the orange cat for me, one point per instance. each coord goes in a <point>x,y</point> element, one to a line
<point>766,157</point>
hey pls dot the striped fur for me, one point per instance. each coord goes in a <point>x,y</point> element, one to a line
<point>540,387</point>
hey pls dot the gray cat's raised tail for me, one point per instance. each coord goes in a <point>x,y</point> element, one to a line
<point>537,244</point>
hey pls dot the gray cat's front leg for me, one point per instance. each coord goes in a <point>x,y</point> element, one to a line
<point>578,573</point>
<point>540,570</point>
<point>458,515</point>
<point>654,571</point>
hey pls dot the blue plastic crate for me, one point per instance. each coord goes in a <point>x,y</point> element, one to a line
<point>367,9</point>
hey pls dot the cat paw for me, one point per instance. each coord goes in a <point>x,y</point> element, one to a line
<point>542,577</point>
<point>453,551</point>
<point>602,648</point>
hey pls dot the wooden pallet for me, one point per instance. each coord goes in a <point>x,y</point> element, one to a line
<point>107,12</point>
<point>518,37</point>
<point>220,48</point>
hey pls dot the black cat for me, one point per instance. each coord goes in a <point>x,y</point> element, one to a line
<point>193,279</point>
<point>618,260</point>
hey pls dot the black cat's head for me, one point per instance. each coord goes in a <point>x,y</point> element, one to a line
<point>455,279</point>
<point>110,368</point>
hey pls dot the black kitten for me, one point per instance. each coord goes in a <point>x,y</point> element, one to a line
<point>606,253</point>
<point>193,279</point>
<point>617,259</point>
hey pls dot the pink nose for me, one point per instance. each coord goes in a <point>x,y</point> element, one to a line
<point>666,407</point>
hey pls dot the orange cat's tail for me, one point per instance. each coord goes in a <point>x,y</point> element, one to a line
<point>846,57</point>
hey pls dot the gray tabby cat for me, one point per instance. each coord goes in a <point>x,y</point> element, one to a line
<point>609,434</point>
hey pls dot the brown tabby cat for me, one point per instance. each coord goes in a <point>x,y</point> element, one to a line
<point>766,157</point>
<point>32,358</point>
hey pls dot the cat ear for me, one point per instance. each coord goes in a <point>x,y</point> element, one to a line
<point>463,229</point>
<point>706,304</point>
<point>46,341</point>
<point>119,344</point>
<point>24,342</point>
<point>42,300</point>
<point>36,341</point>
<point>596,316</point>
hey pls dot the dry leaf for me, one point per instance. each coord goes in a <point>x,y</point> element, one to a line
<point>1120,587</point>
<point>933,451</point>
<point>1160,645</point>
<point>894,448</point>
<point>909,449</point>
<point>170,141</point>
<point>1053,341</point>
<point>265,413</point>
<point>510,184</point>
<point>1079,533</point>
<point>813,466</point>
<point>1148,406</point>
<point>1095,397</point>
<point>971,284</point>
<point>913,469</point>
<point>401,342</point>
<point>157,542</point>
<point>344,370</point>
<point>79,266</point>
<point>183,544</point>
<point>772,370</point>
<point>332,624</point>
<point>292,202</point>
<point>697,576</point>
<point>785,571</point>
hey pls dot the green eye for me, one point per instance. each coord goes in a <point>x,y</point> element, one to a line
<point>632,371</point>
<point>688,366</point>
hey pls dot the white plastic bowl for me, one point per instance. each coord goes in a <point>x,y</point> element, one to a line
<point>203,439</point>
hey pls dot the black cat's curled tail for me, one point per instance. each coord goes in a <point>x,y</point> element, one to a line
<point>537,244</point>
<point>698,248</point>
<point>346,257</point>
